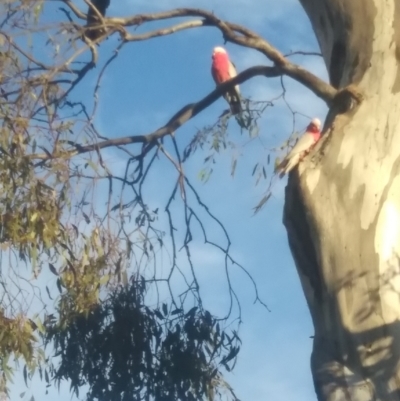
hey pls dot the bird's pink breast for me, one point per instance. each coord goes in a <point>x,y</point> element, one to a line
<point>220,68</point>
<point>316,135</point>
<point>314,131</point>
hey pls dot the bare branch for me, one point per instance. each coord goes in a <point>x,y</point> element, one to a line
<point>165,31</point>
<point>302,53</point>
<point>182,116</point>
<point>236,34</point>
<point>231,32</point>
<point>74,9</point>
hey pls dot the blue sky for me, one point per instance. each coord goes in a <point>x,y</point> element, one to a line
<point>142,89</point>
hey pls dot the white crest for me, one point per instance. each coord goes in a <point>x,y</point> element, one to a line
<point>316,122</point>
<point>219,49</point>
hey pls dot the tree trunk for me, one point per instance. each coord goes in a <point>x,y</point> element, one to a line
<point>342,209</point>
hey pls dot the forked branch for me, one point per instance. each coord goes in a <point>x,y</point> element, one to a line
<point>231,32</point>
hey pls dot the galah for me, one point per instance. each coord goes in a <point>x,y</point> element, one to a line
<point>301,149</point>
<point>222,70</point>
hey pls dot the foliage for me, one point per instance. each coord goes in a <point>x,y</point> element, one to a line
<point>126,350</point>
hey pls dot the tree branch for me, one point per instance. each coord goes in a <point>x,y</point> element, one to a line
<point>165,31</point>
<point>302,53</point>
<point>181,117</point>
<point>80,14</point>
<point>232,33</point>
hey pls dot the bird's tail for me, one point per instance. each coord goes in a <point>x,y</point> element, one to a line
<point>236,107</point>
<point>235,104</point>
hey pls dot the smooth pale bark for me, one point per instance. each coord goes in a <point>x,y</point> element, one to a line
<point>342,209</point>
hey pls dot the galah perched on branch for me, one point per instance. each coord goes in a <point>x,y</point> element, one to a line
<point>222,70</point>
<point>301,149</point>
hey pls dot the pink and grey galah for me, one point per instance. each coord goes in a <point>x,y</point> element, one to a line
<point>222,70</point>
<point>301,149</point>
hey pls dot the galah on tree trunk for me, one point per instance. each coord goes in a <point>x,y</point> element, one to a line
<point>222,70</point>
<point>301,149</point>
